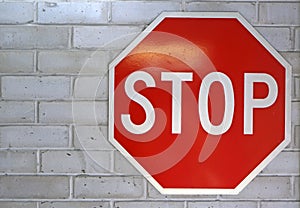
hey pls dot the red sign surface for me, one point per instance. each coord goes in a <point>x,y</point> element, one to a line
<point>199,103</point>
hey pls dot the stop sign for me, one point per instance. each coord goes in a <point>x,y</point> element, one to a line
<point>199,103</point>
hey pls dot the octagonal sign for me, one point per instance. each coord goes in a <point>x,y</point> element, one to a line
<point>199,103</point>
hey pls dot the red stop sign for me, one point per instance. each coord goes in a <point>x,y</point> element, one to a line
<point>199,103</point>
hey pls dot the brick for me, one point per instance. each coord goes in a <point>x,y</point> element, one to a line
<point>39,187</point>
<point>108,187</point>
<point>296,136</point>
<point>17,161</point>
<point>22,12</point>
<point>296,88</point>
<point>34,136</point>
<point>247,9</point>
<point>91,113</point>
<point>83,62</point>
<point>279,13</point>
<point>122,166</point>
<point>278,37</point>
<point>296,188</point>
<point>108,37</point>
<point>297,39</point>
<point>280,1</point>
<point>296,113</point>
<point>286,204</point>
<point>154,194</point>
<point>222,204</point>
<point>18,204</point>
<point>32,87</point>
<point>34,37</point>
<point>81,204</point>
<point>294,60</point>
<point>266,188</point>
<point>16,61</point>
<point>91,138</point>
<point>72,12</point>
<point>135,12</point>
<point>91,88</point>
<point>150,204</point>
<point>285,163</point>
<point>16,112</point>
<point>75,161</point>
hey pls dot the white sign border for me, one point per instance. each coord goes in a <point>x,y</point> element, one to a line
<point>263,164</point>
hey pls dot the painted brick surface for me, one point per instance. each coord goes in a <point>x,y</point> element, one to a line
<point>140,12</point>
<point>34,136</point>
<point>111,37</point>
<point>279,37</point>
<point>108,187</point>
<point>73,62</point>
<point>296,136</point>
<point>18,204</point>
<point>227,204</point>
<point>285,163</point>
<point>152,194</point>
<point>123,166</point>
<point>31,87</point>
<point>32,37</point>
<point>267,188</point>
<point>297,39</point>
<point>296,114</point>
<point>247,9</point>
<point>280,13</point>
<point>42,187</point>
<point>16,112</point>
<point>54,149</point>
<point>296,187</point>
<point>74,204</point>
<point>294,60</point>
<point>280,204</point>
<point>16,12</point>
<point>75,161</point>
<point>91,88</point>
<point>149,204</point>
<point>16,61</point>
<point>91,138</point>
<point>73,12</point>
<point>77,112</point>
<point>17,161</point>
<point>296,87</point>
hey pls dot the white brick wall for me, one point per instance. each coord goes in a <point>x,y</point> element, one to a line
<point>16,61</point>
<point>73,62</point>
<point>108,187</point>
<point>16,112</point>
<point>34,136</point>
<point>73,12</point>
<point>23,12</point>
<point>33,37</point>
<point>110,37</point>
<point>40,187</point>
<point>54,53</point>
<point>247,9</point>
<point>31,87</point>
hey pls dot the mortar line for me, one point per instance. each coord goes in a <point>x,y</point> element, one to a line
<point>71,182</point>
<point>35,61</point>
<point>38,161</point>
<point>36,112</point>
<point>112,203</point>
<point>109,12</point>
<point>71,137</point>
<point>257,11</point>
<point>185,205</point>
<point>112,162</point>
